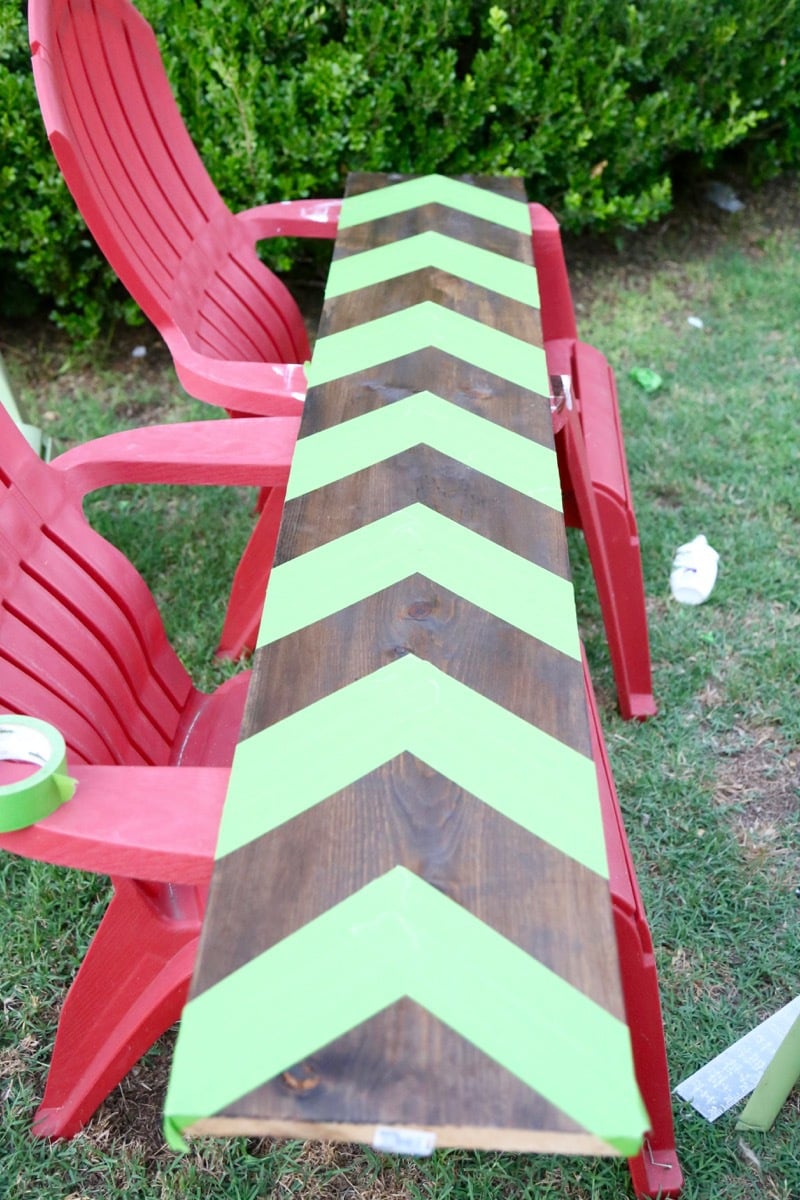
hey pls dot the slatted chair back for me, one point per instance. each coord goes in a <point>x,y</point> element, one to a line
<point>144,192</point>
<point>82,644</point>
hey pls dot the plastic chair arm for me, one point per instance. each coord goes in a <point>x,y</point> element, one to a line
<point>263,389</point>
<point>557,310</point>
<point>293,218</point>
<point>155,823</point>
<point>251,452</point>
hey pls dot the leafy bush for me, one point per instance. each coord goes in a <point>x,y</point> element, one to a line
<point>46,253</point>
<point>593,102</point>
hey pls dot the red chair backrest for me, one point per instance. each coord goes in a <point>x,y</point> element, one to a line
<point>82,644</point>
<point>142,189</point>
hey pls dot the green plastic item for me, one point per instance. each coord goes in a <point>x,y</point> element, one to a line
<point>648,380</point>
<point>40,445</point>
<point>775,1085</point>
<point>24,739</point>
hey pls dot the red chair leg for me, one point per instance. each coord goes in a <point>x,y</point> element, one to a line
<point>130,988</point>
<point>240,629</point>
<point>655,1171</point>
<point>613,545</point>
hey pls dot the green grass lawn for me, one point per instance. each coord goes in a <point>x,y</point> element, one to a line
<point>709,789</point>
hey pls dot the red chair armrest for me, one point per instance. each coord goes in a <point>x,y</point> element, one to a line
<point>293,218</point>
<point>555,296</point>
<point>155,823</point>
<point>249,452</point>
<point>263,389</point>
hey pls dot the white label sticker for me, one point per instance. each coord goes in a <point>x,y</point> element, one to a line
<point>393,1139</point>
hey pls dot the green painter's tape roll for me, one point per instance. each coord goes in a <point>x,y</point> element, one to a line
<point>24,739</point>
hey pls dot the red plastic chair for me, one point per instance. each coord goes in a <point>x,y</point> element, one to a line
<point>82,646</point>
<point>235,334</point>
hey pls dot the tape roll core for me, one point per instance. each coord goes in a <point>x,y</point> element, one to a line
<point>26,739</point>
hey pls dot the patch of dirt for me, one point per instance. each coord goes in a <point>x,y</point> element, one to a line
<point>694,230</point>
<point>38,353</point>
<point>133,1113</point>
<point>758,781</point>
<point>14,1061</point>
<point>338,1171</point>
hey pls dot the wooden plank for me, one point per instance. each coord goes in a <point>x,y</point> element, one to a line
<point>409,922</point>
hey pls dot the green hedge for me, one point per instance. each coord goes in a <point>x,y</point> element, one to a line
<point>592,101</point>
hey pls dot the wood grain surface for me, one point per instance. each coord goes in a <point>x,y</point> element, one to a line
<point>404,1065</point>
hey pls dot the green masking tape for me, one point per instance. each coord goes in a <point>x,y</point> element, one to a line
<point>24,739</point>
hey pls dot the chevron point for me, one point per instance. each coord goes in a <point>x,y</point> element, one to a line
<point>483,268</point>
<point>418,540</point>
<point>435,189</point>
<point>419,327</point>
<point>399,936</point>
<point>410,705</point>
<point>426,419</point>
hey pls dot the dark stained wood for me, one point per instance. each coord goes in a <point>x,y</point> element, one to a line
<point>403,1066</point>
<point>491,236</point>
<point>481,304</point>
<point>370,181</point>
<point>422,475</point>
<point>406,813</point>
<point>477,391</point>
<point>419,616</point>
<point>386,1063</point>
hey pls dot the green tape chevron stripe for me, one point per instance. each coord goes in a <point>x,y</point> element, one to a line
<point>424,476</point>
<point>455,380</point>
<point>518,462</point>
<point>413,540</point>
<point>495,272</point>
<point>423,618</point>
<point>396,937</point>
<point>416,328</point>
<point>475,841</point>
<point>435,189</point>
<point>410,705</point>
